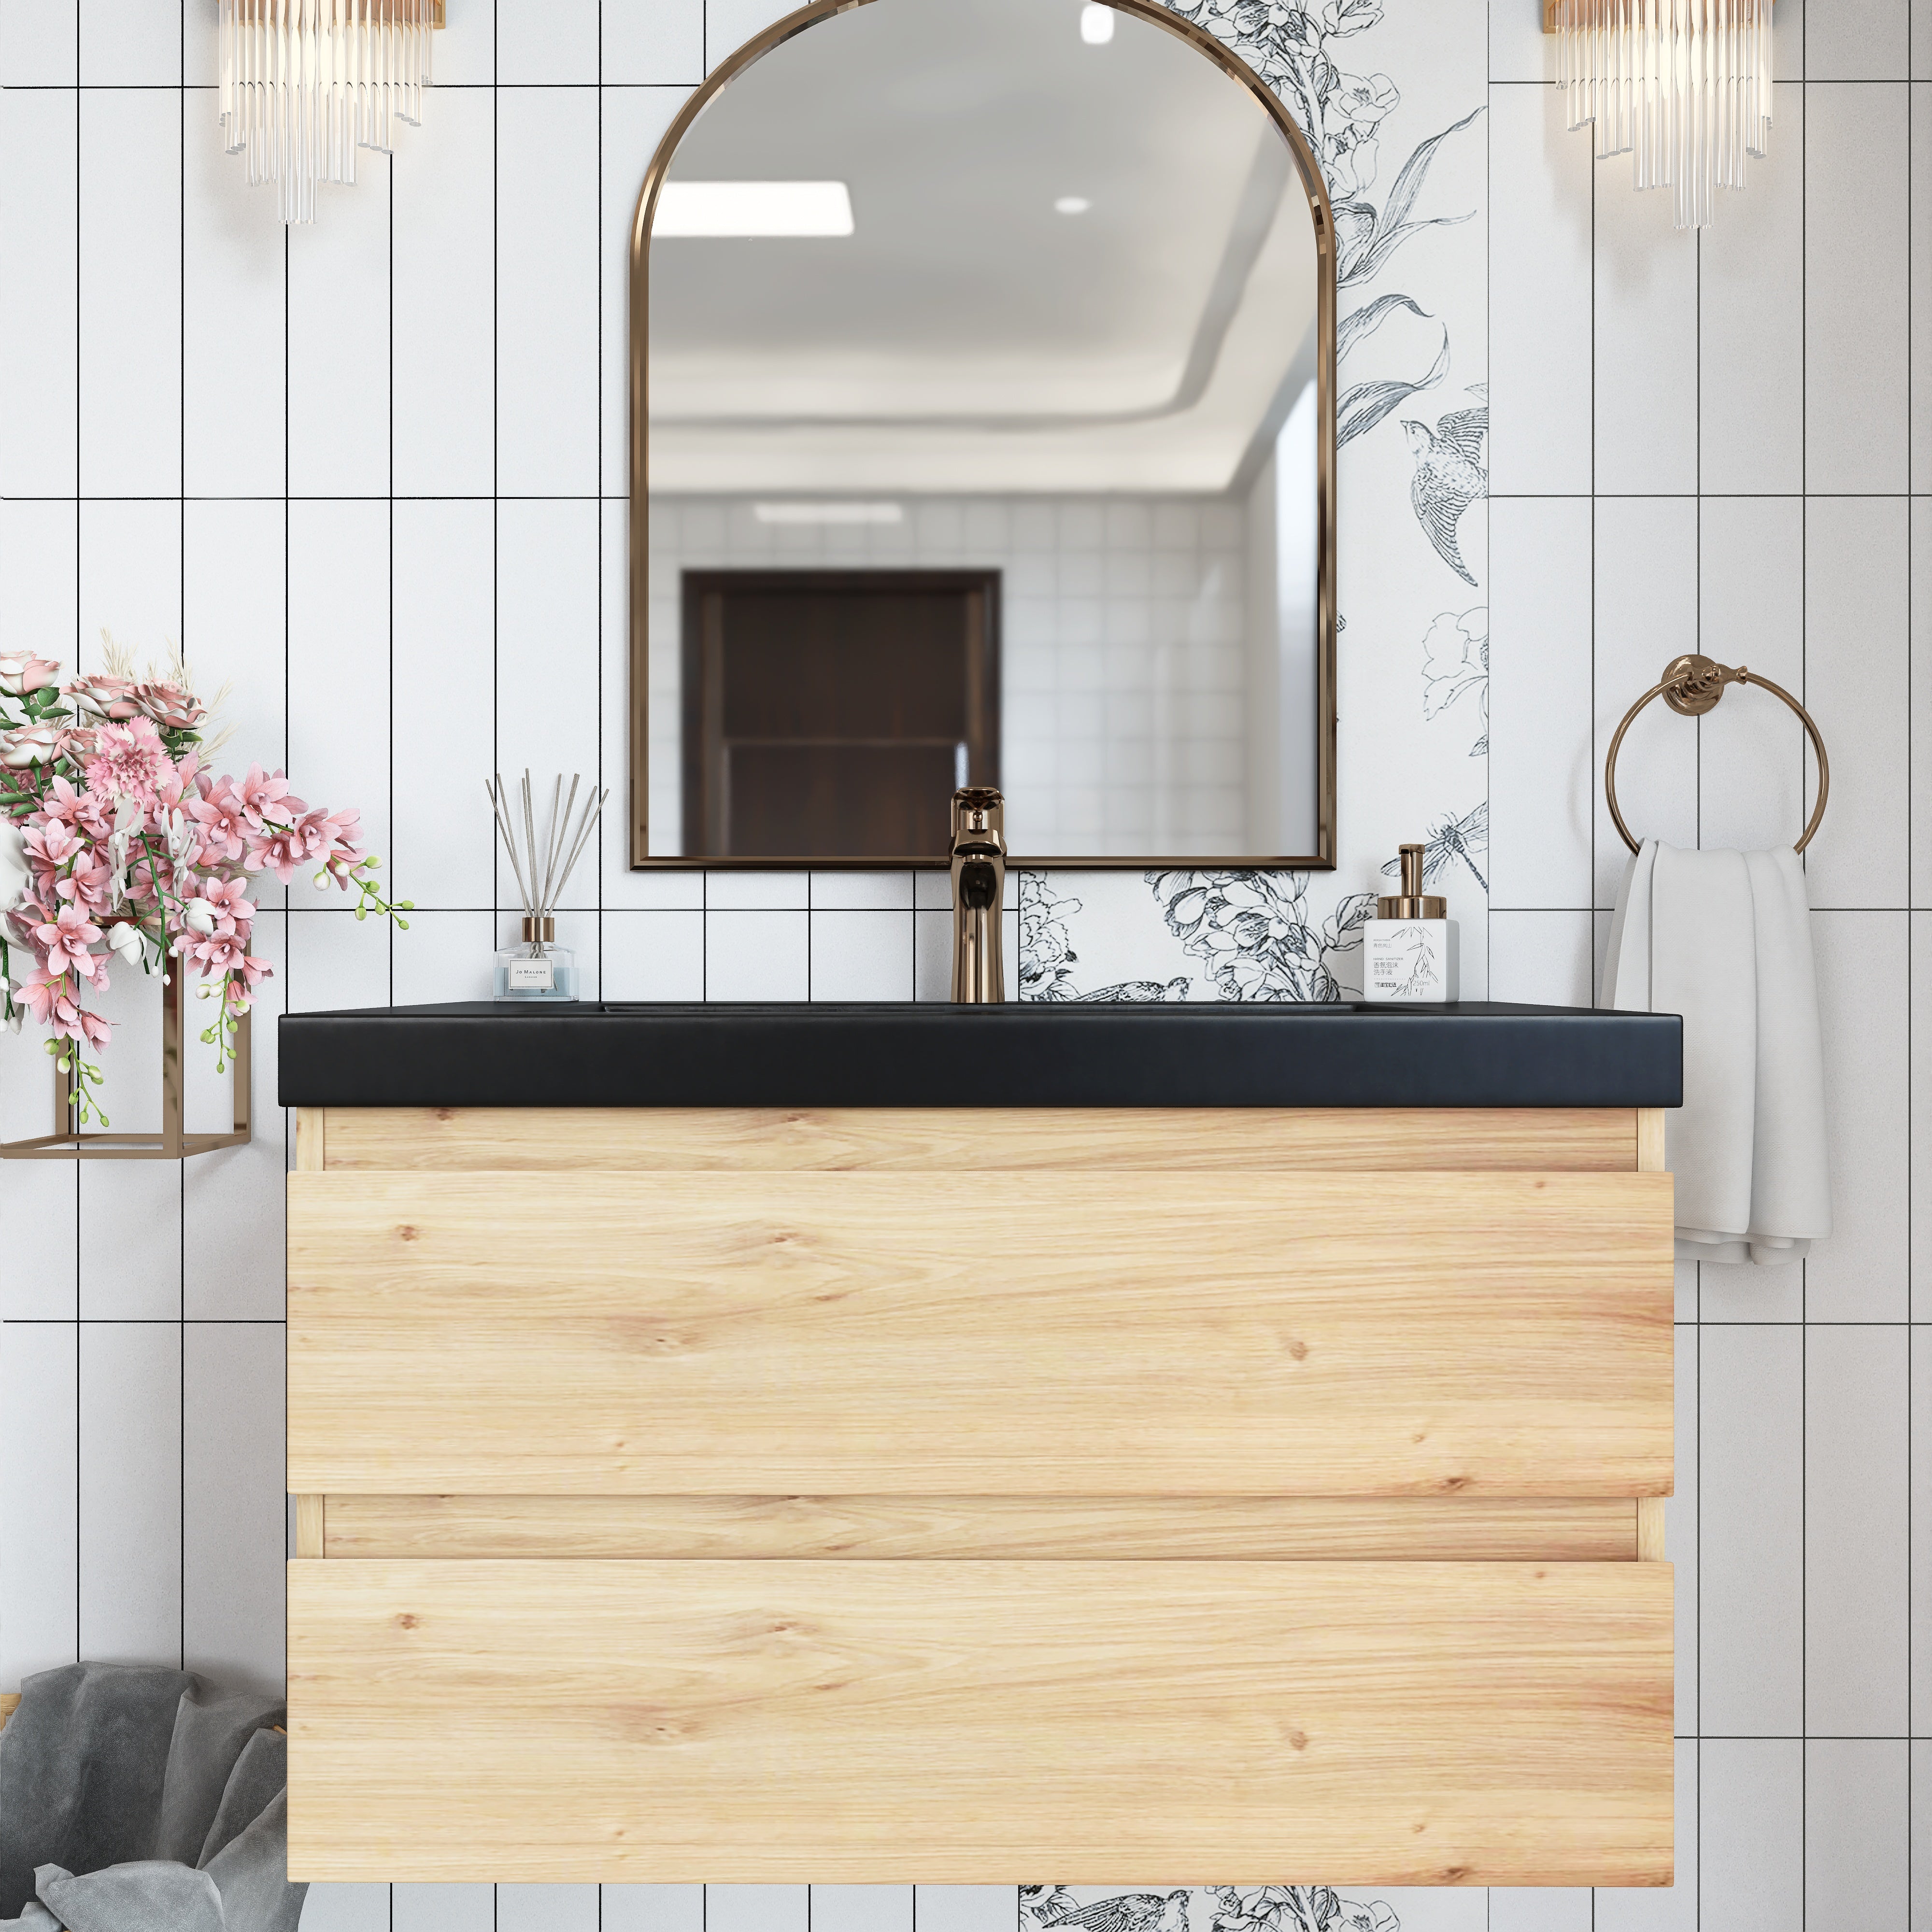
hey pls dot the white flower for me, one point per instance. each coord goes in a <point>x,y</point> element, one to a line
<point>198,916</point>
<point>15,875</point>
<point>125,939</point>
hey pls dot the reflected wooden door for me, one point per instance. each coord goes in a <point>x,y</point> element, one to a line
<point>830,714</point>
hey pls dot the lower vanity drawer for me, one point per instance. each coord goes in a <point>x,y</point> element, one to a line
<point>981,1721</point>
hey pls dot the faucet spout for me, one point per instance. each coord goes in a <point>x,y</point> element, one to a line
<point>979,894</point>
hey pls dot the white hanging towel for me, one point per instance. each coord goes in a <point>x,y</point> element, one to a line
<point>1724,938</point>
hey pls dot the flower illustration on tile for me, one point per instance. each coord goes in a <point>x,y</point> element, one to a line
<point>1253,932</point>
<point>1456,662</point>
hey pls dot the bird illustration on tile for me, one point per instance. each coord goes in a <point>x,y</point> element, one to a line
<point>1130,1911</point>
<point>1451,473</point>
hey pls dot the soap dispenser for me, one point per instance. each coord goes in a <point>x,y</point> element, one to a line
<point>1409,948</point>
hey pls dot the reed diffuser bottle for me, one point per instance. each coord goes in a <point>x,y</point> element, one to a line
<point>535,967</point>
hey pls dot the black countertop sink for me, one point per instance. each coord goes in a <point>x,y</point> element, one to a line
<point>1473,1054</point>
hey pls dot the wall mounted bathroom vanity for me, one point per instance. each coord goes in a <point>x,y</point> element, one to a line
<point>891,1443</point>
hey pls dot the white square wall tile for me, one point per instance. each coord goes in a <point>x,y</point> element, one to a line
<point>653,955</point>
<point>547,293</point>
<point>40,552</point>
<point>1646,613</point>
<point>1540,295</point>
<point>546,1908</point>
<point>756,1908</point>
<point>40,42</point>
<point>1751,1839</point>
<point>130,43</point>
<point>1537,1908</point>
<point>757,955</point>
<point>130,292</point>
<point>966,1908</point>
<point>1858,656</point>
<point>234,1418</point>
<point>443,298</point>
<point>1857,168</point>
<point>756,891</point>
<point>540,42</point>
<point>339,417</point>
<point>1859,40</point>
<point>443,1908</point>
<point>1860,1272</point>
<point>862,955</point>
<point>130,1491</point>
<point>444,956</point>
<point>1921,1579</point>
<point>233,347</point>
<point>39,1497</point>
<point>1857,1425</point>
<point>1539,703</point>
<point>653,43</point>
<point>1645,363</point>
<point>858,892</point>
<point>1751,1535</point>
<point>40,238</point>
<point>863,1908</point>
<point>1857,1831</point>
<point>653,1908</point>
<point>1750,765</point>
<point>1541,958</point>
<point>1920,833</point>
<point>346,1908</point>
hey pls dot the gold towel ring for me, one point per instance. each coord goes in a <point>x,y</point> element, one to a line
<point>1690,686</point>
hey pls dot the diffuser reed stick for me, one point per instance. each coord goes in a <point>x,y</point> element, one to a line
<point>543,868</point>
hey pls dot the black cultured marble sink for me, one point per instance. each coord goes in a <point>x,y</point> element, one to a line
<point>1474,1054</point>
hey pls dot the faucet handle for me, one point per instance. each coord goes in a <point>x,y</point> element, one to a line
<point>979,813</point>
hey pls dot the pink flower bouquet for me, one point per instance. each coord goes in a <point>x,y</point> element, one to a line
<point>115,840</point>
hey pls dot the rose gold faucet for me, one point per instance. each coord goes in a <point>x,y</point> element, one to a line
<point>979,894</point>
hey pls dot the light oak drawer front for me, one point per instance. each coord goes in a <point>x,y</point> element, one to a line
<point>1011,1333</point>
<point>980,1722</point>
<point>957,1139</point>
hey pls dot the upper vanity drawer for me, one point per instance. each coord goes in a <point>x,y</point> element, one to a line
<point>1072,1333</point>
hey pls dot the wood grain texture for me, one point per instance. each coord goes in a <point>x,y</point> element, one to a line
<point>311,1525</point>
<point>1650,1539</point>
<point>1260,1528</point>
<point>974,1722</point>
<point>311,1145</point>
<point>9,1702</point>
<point>956,1139</point>
<point>1650,1143</point>
<point>1009,1333</point>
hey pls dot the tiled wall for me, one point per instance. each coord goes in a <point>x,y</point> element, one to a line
<point>1123,652</point>
<point>373,471</point>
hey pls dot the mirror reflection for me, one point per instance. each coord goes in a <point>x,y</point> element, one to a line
<point>985,386</point>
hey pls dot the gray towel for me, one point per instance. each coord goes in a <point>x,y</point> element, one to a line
<point>141,1799</point>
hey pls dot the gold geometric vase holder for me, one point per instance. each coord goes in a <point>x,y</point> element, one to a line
<point>68,1141</point>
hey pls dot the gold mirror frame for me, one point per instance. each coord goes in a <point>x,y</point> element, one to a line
<point>1153,11</point>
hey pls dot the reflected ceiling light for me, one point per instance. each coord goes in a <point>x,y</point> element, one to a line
<point>1072,204</point>
<point>304,83</point>
<point>1684,84</point>
<point>829,513</point>
<point>1096,24</point>
<point>753,207</point>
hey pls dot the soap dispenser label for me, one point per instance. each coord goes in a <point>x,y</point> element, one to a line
<point>1409,959</point>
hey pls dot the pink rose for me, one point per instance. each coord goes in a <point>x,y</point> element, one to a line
<point>172,709</point>
<point>106,697</point>
<point>29,745</point>
<point>19,675</point>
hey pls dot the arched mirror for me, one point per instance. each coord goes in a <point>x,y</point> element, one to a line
<point>982,432</point>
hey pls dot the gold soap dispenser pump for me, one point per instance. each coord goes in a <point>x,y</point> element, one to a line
<point>1409,948</point>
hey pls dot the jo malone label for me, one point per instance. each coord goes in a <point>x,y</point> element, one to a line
<point>531,975</point>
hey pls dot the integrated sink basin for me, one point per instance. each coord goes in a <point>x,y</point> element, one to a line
<point>1473,1054</point>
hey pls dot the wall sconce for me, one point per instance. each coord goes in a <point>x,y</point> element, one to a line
<point>304,83</point>
<point>1683,84</point>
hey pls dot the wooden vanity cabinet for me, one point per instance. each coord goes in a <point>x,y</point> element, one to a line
<point>980,1496</point>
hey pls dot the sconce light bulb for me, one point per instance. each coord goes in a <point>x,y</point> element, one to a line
<point>1096,24</point>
